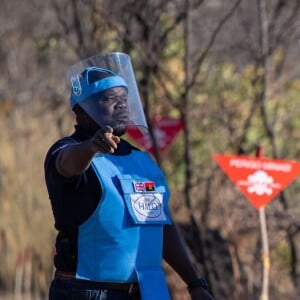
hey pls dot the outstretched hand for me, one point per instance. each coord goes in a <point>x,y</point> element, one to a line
<point>105,141</point>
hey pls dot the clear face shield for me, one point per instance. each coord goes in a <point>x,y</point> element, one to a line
<point>93,79</point>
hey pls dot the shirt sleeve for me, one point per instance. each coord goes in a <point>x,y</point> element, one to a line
<point>51,172</point>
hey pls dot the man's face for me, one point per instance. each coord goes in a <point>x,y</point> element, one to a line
<point>109,108</point>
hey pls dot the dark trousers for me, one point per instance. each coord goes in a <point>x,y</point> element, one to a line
<point>64,290</point>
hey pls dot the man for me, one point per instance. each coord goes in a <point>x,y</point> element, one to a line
<point>109,199</point>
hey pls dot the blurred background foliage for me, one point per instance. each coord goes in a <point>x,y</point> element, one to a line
<point>229,69</point>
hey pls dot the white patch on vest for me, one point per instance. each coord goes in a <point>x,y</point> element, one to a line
<point>148,207</point>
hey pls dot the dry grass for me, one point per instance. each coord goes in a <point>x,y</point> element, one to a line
<point>26,220</point>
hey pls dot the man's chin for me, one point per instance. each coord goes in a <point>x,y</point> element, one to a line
<point>119,130</point>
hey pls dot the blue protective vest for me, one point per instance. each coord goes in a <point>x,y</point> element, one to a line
<point>122,240</point>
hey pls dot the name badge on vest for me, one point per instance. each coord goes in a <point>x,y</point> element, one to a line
<point>146,201</point>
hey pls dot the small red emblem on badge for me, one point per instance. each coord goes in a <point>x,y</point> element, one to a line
<point>149,186</point>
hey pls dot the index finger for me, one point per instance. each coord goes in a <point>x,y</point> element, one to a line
<point>107,129</point>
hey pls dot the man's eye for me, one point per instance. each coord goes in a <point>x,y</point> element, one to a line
<point>106,99</point>
<point>113,99</point>
<point>125,99</point>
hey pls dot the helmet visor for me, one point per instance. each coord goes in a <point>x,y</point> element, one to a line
<point>116,71</point>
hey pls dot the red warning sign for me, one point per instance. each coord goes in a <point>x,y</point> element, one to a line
<point>165,131</point>
<point>259,179</point>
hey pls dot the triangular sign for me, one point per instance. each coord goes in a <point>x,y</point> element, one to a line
<point>165,131</point>
<point>259,179</point>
